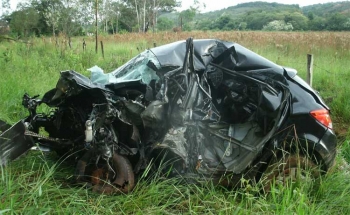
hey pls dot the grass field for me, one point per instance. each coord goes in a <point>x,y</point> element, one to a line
<point>40,183</point>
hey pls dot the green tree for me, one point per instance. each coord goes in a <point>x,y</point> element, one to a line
<point>346,24</point>
<point>4,6</point>
<point>242,26</point>
<point>74,16</point>
<point>298,20</point>
<point>52,14</point>
<point>257,20</point>
<point>165,24</point>
<point>164,6</point>
<point>204,25</point>
<point>337,22</point>
<point>147,11</point>
<point>310,15</point>
<point>225,23</point>
<point>185,17</point>
<point>24,21</point>
<point>317,24</point>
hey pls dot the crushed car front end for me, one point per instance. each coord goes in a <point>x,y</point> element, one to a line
<point>194,108</point>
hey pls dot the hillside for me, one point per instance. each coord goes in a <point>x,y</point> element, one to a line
<point>322,10</point>
<point>247,8</point>
<point>269,16</point>
<point>240,10</point>
<point>328,9</point>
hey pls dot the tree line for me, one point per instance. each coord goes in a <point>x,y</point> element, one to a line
<point>78,17</point>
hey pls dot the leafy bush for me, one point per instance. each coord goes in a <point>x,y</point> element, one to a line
<point>278,25</point>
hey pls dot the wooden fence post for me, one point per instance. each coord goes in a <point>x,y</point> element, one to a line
<point>310,68</point>
<point>69,42</point>
<point>84,45</point>
<point>103,52</point>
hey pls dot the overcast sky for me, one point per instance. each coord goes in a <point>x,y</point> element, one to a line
<point>219,4</point>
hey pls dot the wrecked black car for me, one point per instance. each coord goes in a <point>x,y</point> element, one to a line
<point>205,109</point>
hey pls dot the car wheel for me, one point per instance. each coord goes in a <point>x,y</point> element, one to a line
<point>289,169</point>
<point>117,177</point>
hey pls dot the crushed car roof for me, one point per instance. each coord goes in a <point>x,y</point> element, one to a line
<point>205,50</point>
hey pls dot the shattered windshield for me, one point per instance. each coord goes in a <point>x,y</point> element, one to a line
<point>143,67</point>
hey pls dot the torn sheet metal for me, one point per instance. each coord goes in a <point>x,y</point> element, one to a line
<point>4,126</point>
<point>14,143</point>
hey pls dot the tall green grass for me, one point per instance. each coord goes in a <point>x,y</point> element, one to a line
<point>41,183</point>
